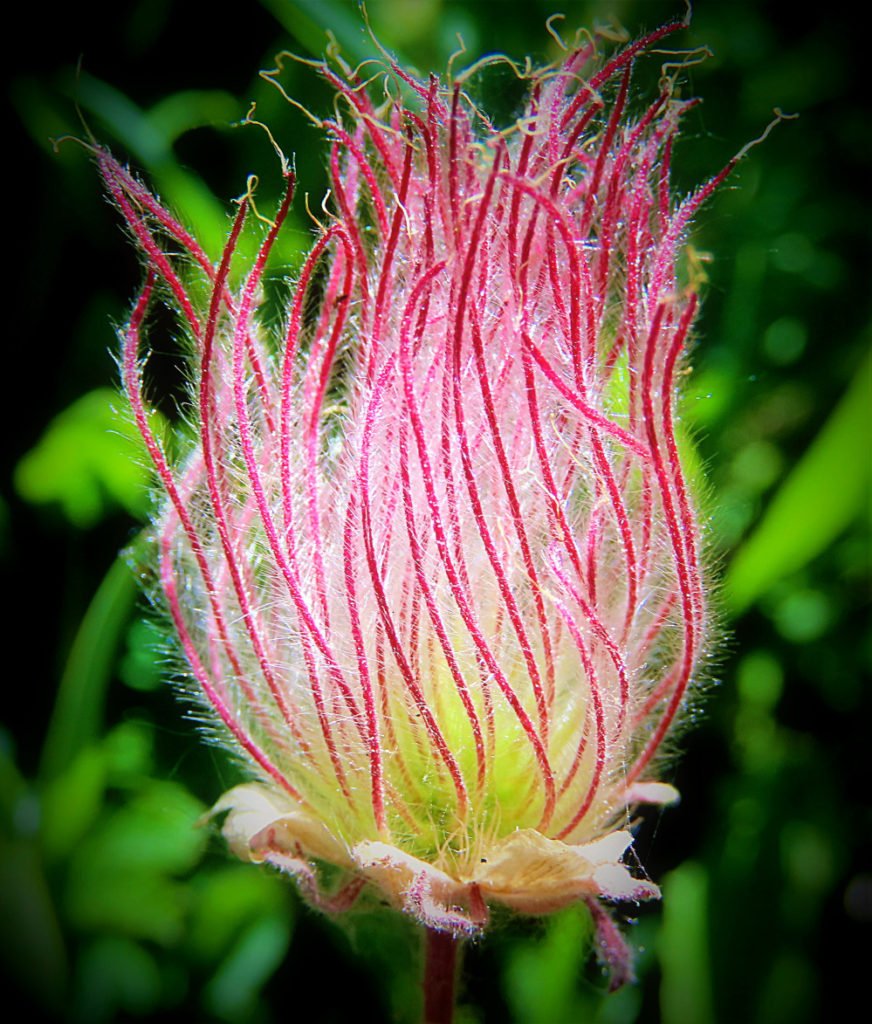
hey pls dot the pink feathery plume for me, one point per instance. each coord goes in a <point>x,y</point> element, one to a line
<point>431,555</point>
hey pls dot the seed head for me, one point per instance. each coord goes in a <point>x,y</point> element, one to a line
<point>431,555</point>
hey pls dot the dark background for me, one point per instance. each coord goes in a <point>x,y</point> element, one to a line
<point>111,906</point>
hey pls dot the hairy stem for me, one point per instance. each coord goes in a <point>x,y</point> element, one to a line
<point>440,971</point>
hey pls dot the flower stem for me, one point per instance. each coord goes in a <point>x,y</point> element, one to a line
<point>440,971</point>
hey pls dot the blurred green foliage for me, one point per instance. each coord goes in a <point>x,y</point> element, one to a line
<point>115,905</point>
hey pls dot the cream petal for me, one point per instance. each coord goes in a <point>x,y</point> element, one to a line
<point>651,793</point>
<point>422,890</point>
<point>396,872</point>
<point>614,882</point>
<point>262,822</point>
<point>607,849</point>
<point>535,874</point>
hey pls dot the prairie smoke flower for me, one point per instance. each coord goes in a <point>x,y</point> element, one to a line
<point>431,556</point>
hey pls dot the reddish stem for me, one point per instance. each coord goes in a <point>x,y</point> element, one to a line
<point>440,972</point>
